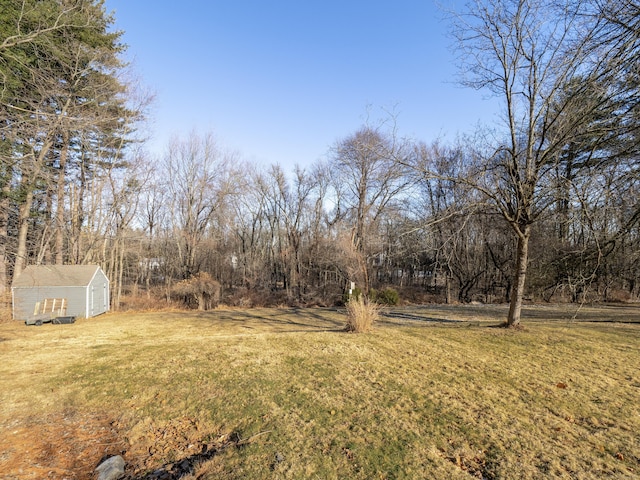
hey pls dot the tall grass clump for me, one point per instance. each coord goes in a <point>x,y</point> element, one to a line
<point>361,314</point>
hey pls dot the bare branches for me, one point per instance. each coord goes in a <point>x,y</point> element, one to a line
<point>369,170</point>
<point>541,59</point>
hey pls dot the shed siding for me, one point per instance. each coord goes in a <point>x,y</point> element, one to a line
<point>25,299</point>
<point>86,288</point>
<point>97,295</point>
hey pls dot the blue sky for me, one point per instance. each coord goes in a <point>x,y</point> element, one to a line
<point>281,81</point>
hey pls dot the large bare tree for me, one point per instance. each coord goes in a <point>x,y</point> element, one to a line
<point>199,179</point>
<point>368,168</point>
<point>529,55</point>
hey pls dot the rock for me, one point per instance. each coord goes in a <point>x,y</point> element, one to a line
<point>111,469</point>
<point>279,458</point>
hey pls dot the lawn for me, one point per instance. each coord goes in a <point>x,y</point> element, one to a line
<point>432,392</point>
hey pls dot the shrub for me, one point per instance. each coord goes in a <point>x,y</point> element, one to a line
<point>201,288</point>
<point>388,296</point>
<point>361,314</point>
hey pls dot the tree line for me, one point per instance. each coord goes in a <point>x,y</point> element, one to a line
<point>541,205</point>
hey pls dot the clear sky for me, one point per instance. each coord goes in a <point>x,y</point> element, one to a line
<point>280,81</point>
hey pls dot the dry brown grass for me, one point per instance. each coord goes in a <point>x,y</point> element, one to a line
<point>430,393</point>
<point>361,314</point>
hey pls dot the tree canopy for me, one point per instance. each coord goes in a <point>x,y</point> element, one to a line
<point>542,205</point>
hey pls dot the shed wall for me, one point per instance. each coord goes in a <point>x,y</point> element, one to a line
<point>98,295</point>
<point>25,299</point>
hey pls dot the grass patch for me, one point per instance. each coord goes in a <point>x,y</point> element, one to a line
<point>430,393</point>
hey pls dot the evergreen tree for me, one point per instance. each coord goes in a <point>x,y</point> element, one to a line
<point>65,111</point>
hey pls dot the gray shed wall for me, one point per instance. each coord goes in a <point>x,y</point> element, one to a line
<point>97,300</point>
<point>83,301</point>
<point>24,300</point>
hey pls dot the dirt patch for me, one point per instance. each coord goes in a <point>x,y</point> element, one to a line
<point>65,445</point>
<point>71,445</point>
<point>171,449</point>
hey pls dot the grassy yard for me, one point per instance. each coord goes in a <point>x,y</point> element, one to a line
<point>431,393</point>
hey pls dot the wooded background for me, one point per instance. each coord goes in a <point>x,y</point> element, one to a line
<point>550,196</point>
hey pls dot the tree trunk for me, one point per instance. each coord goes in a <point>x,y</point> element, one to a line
<point>520,275</point>
<point>201,301</point>
<point>119,269</point>
<point>59,243</point>
<point>23,230</point>
<point>4,233</point>
<point>77,217</point>
<point>28,181</point>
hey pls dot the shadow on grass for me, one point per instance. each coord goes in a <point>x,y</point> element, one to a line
<point>276,320</point>
<point>419,318</point>
<point>628,313</point>
<point>308,320</point>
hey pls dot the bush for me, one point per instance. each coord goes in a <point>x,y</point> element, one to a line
<point>388,296</point>
<point>361,314</point>
<point>201,289</point>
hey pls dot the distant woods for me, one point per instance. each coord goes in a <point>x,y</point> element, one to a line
<point>542,205</point>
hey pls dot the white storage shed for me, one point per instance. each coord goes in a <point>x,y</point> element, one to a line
<point>81,290</point>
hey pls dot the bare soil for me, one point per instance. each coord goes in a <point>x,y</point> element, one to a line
<point>71,445</point>
<point>64,445</point>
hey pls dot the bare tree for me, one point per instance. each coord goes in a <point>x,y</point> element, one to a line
<point>527,54</point>
<point>248,226</point>
<point>288,207</point>
<point>152,217</point>
<point>199,179</point>
<point>369,174</point>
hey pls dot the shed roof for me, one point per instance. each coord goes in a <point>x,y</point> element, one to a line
<point>56,276</point>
